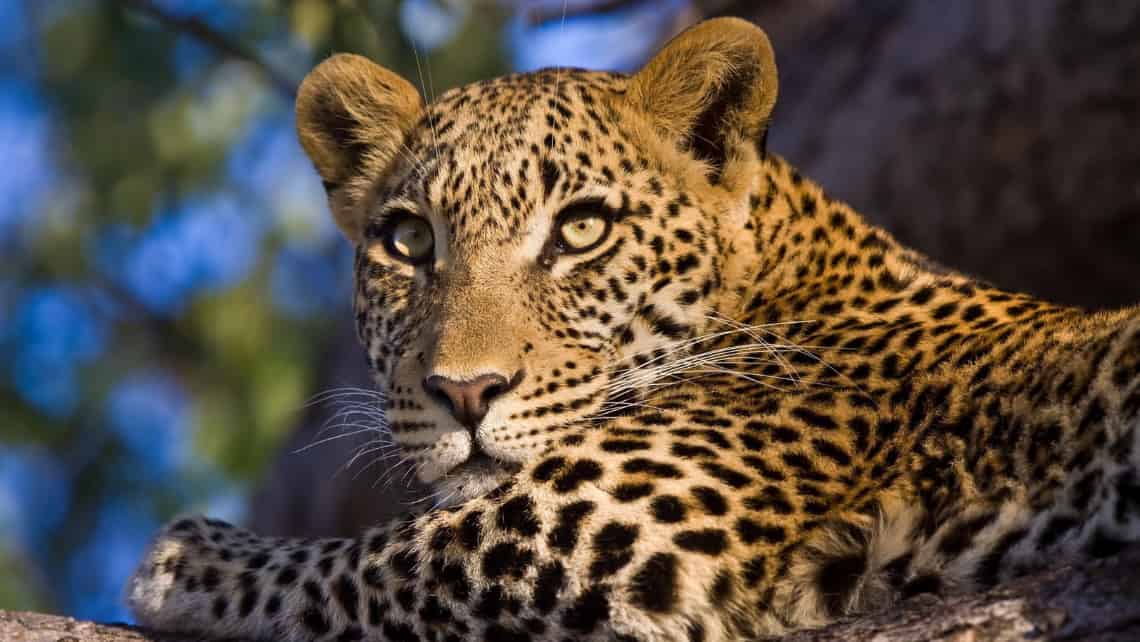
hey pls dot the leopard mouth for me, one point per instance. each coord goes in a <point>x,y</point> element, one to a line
<point>482,464</point>
<point>477,476</point>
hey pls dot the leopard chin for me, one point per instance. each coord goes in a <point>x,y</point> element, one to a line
<point>476,477</point>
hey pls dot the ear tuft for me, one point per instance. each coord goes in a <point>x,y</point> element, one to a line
<point>352,117</point>
<point>711,89</point>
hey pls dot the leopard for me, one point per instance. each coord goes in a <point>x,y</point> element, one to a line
<point>663,386</point>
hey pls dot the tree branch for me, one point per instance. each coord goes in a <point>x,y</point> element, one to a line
<point>1091,602</point>
<point>207,35</point>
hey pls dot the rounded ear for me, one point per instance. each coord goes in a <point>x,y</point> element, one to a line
<point>710,89</point>
<point>352,117</point>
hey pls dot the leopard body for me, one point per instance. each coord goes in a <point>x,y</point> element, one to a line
<point>746,411</point>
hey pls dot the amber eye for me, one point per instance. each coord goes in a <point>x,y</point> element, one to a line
<point>579,232</point>
<point>410,239</point>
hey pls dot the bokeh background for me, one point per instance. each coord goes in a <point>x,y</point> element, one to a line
<point>174,322</point>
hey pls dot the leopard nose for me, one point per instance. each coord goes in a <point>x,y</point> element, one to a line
<point>469,400</point>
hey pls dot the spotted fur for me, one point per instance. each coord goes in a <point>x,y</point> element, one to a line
<point>746,411</point>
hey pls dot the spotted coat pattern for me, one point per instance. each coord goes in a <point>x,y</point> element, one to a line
<point>746,411</point>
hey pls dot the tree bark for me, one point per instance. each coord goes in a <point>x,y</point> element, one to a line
<point>1095,602</point>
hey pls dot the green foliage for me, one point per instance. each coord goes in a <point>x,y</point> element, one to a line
<point>145,117</point>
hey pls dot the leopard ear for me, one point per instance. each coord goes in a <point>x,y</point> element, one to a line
<point>352,117</point>
<point>710,89</point>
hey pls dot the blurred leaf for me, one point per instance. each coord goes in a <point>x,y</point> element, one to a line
<point>178,205</point>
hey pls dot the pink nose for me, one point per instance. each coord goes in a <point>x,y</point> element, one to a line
<point>469,400</point>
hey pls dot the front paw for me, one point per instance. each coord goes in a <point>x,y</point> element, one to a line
<point>177,586</point>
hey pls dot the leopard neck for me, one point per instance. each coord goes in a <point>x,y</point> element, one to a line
<point>803,257</point>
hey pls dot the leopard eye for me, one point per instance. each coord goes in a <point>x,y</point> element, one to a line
<point>410,239</point>
<point>582,232</point>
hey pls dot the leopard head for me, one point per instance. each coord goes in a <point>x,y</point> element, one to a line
<point>524,243</point>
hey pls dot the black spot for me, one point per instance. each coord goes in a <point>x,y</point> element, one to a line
<point>989,567</point>
<point>345,592</point>
<point>712,501</point>
<point>545,471</point>
<point>690,451</point>
<point>221,604</point>
<point>273,604</point>
<point>686,263</point>
<point>944,310</point>
<point>611,546</point>
<point>325,565</point>
<point>517,514</point>
<point>722,588</point>
<point>972,312</point>
<point>755,570</point>
<point>922,296</point>
<point>313,591</point>
<point>962,534</point>
<point>433,611</point>
<point>404,562</point>
<point>454,577</point>
<point>373,575</point>
<point>352,555</point>
<point>667,509</point>
<point>550,174</point>
<point>314,620</point>
<point>564,536</point>
<point>406,598</point>
<point>399,632</point>
<point>654,586</point>
<point>733,478</point>
<point>211,578</point>
<point>837,579</point>
<point>490,602</point>
<point>551,580</point>
<point>710,541</point>
<point>376,543</point>
<point>650,467</point>
<point>506,558</point>
<point>471,530</point>
<point>257,561</point>
<point>629,492</point>
<point>592,607</point>
<point>750,532</point>
<point>536,625</point>
<point>497,633</point>
<point>1056,528</point>
<point>351,633</point>
<point>583,470</point>
<point>624,445</point>
<point>785,434</point>
<point>441,538</point>
<point>814,419</point>
<point>1101,544</point>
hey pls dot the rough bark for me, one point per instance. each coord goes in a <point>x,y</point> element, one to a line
<point>18,626</point>
<point>1097,602</point>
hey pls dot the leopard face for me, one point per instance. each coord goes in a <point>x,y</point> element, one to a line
<point>523,245</point>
